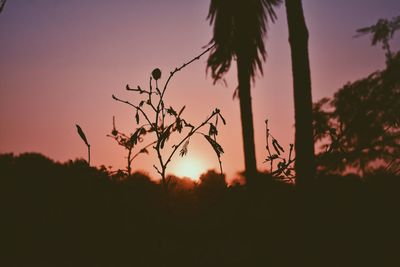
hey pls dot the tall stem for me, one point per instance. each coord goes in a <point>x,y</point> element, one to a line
<point>88,154</point>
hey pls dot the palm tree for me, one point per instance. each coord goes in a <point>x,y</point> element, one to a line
<point>239,28</point>
<point>304,143</point>
<point>2,4</point>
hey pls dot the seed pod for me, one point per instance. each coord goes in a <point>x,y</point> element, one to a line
<point>156,74</point>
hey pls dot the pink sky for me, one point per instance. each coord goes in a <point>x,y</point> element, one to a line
<point>60,62</point>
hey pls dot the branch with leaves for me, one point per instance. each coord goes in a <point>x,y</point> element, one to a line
<point>167,121</point>
<point>382,32</point>
<point>129,143</point>
<point>284,167</point>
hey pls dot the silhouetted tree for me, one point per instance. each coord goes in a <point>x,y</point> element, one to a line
<point>360,126</point>
<point>239,28</point>
<point>304,144</point>
<point>382,32</point>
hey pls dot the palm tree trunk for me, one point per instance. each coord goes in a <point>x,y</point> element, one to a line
<point>246,115</point>
<point>304,143</point>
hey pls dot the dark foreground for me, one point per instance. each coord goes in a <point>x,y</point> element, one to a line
<point>71,215</point>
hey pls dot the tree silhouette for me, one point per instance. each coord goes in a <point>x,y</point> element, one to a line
<point>239,28</point>
<point>304,143</point>
<point>360,126</point>
<point>382,32</point>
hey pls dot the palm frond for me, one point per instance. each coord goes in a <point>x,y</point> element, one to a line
<point>239,29</point>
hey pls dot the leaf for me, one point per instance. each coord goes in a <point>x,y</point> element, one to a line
<point>137,117</point>
<point>222,118</point>
<point>188,124</point>
<point>182,109</point>
<point>144,150</point>
<point>178,124</point>
<point>164,136</point>
<point>235,93</point>
<point>184,149</point>
<point>213,130</point>
<point>171,111</point>
<point>135,136</point>
<point>141,103</point>
<point>82,134</point>
<point>272,157</point>
<point>217,147</point>
<point>277,146</point>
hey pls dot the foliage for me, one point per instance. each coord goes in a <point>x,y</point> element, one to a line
<point>71,214</point>
<point>167,121</point>
<point>284,167</point>
<point>239,30</point>
<point>360,126</point>
<point>129,142</point>
<point>382,32</point>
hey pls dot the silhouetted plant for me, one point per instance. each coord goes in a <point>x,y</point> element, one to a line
<point>360,126</point>
<point>382,32</point>
<point>284,167</point>
<point>128,142</point>
<point>166,122</point>
<point>83,136</point>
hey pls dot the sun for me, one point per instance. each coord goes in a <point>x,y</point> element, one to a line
<point>189,167</point>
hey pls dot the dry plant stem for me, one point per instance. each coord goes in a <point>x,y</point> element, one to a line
<point>131,158</point>
<point>88,154</point>
<point>219,158</point>
<point>267,142</point>
<point>181,67</point>
<point>136,107</point>
<point>161,130</point>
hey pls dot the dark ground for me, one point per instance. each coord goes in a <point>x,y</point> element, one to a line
<point>68,214</point>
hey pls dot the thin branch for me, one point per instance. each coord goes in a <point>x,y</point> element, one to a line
<point>136,107</point>
<point>189,135</point>
<point>184,65</point>
<point>141,151</point>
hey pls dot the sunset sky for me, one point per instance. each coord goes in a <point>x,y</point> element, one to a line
<point>60,62</point>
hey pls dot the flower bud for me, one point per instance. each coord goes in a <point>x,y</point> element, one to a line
<point>156,74</point>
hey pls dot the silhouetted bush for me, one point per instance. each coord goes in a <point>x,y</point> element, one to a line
<point>70,214</point>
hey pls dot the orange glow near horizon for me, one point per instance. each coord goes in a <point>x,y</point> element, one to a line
<point>189,167</point>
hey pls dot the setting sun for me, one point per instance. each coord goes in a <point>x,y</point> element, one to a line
<point>189,167</point>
